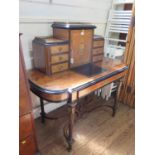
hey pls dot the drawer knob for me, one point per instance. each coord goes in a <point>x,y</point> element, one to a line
<point>23,142</point>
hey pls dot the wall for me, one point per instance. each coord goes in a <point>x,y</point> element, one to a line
<point>36,17</point>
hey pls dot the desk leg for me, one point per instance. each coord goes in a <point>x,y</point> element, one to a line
<point>71,109</point>
<point>116,95</point>
<point>42,111</point>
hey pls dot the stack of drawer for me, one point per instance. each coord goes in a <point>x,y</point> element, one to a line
<point>59,58</point>
<point>98,48</point>
<point>51,55</point>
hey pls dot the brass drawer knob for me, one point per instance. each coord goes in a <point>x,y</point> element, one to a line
<point>23,142</point>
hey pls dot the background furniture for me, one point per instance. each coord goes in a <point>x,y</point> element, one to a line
<point>117,33</point>
<point>27,139</point>
<point>127,95</point>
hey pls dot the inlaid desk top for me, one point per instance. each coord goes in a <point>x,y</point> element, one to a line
<point>56,87</point>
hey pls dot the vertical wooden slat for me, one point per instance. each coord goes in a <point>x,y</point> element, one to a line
<point>127,94</point>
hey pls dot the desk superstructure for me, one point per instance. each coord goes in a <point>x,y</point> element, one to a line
<point>69,66</point>
<point>70,46</point>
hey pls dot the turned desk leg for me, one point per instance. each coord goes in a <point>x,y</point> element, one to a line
<point>71,109</point>
<point>68,130</point>
<point>116,95</point>
<point>42,111</point>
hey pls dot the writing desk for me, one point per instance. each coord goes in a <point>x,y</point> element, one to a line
<point>73,84</point>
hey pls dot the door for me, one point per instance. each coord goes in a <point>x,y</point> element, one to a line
<point>80,47</point>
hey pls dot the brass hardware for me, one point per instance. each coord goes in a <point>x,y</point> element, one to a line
<point>23,142</point>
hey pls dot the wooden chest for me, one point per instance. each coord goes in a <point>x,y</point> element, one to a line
<point>51,55</point>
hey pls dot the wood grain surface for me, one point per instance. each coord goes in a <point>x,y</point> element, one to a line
<point>71,80</point>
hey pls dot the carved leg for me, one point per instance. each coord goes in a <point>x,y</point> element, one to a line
<point>116,95</point>
<point>42,111</point>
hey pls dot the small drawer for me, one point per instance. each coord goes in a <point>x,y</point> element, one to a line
<point>59,58</point>
<point>97,58</point>
<point>27,146</point>
<point>59,49</point>
<point>25,126</point>
<point>59,67</point>
<point>98,43</point>
<point>97,51</point>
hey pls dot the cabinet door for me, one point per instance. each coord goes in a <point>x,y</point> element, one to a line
<point>24,100</point>
<point>81,45</point>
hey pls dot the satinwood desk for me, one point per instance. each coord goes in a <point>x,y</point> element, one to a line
<point>73,84</point>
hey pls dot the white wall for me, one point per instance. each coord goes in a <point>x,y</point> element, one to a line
<point>36,17</point>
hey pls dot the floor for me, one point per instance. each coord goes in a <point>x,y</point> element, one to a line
<point>96,131</point>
